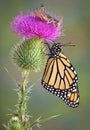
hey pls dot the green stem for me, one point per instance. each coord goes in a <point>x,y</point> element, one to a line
<point>23,98</point>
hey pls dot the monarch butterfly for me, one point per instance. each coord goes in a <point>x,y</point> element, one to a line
<point>60,77</point>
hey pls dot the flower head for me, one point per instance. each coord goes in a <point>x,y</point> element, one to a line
<point>29,55</point>
<point>37,24</point>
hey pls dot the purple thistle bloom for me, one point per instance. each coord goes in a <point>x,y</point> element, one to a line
<point>37,25</point>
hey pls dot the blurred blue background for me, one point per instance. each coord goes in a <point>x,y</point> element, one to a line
<point>76,26</point>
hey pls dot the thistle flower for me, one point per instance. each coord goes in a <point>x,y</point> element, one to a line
<point>37,24</point>
<point>29,55</point>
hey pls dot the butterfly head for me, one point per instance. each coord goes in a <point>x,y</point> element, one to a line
<point>56,49</point>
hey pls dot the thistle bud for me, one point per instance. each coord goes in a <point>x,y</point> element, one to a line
<point>14,123</point>
<point>29,55</point>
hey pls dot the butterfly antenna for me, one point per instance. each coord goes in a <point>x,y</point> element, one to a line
<point>68,44</point>
<point>48,45</point>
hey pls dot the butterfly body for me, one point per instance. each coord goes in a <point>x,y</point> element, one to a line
<point>60,77</point>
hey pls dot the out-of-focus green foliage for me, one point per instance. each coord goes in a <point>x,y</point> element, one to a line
<point>76,27</point>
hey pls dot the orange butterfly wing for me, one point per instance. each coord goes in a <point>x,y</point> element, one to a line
<point>60,78</point>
